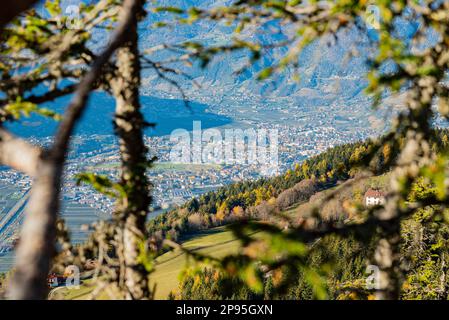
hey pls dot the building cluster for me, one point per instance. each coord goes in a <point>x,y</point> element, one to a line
<point>174,183</point>
<point>302,132</point>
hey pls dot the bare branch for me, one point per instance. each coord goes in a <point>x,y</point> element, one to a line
<point>78,103</point>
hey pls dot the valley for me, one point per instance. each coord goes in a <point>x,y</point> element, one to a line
<point>218,242</point>
<point>302,134</point>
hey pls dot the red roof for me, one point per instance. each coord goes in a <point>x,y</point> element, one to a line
<point>372,193</point>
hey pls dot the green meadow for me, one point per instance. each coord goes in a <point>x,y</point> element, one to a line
<point>216,242</point>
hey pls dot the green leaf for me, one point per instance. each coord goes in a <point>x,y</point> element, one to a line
<point>25,108</point>
<point>53,7</point>
<point>102,184</point>
<point>174,10</point>
<point>251,275</point>
<point>265,73</point>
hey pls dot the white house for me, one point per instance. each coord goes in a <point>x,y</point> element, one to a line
<point>374,197</point>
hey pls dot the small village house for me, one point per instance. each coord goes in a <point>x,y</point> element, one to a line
<point>374,197</point>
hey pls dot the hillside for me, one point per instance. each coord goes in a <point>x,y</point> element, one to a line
<point>219,241</point>
<point>200,224</point>
<point>216,242</point>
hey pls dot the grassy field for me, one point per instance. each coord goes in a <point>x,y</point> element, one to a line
<point>216,242</point>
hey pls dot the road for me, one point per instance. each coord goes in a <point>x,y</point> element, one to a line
<point>13,215</point>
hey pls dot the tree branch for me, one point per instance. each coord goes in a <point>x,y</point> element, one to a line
<point>77,104</point>
<point>12,8</point>
<point>37,243</point>
<point>18,154</point>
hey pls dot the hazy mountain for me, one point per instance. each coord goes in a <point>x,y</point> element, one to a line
<point>326,69</point>
<point>329,76</point>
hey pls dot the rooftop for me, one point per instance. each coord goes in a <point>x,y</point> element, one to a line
<point>373,193</point>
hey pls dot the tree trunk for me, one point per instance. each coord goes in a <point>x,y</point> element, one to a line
<point>38,233</point>
<point>37,242</point>
<point>131,211</point>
